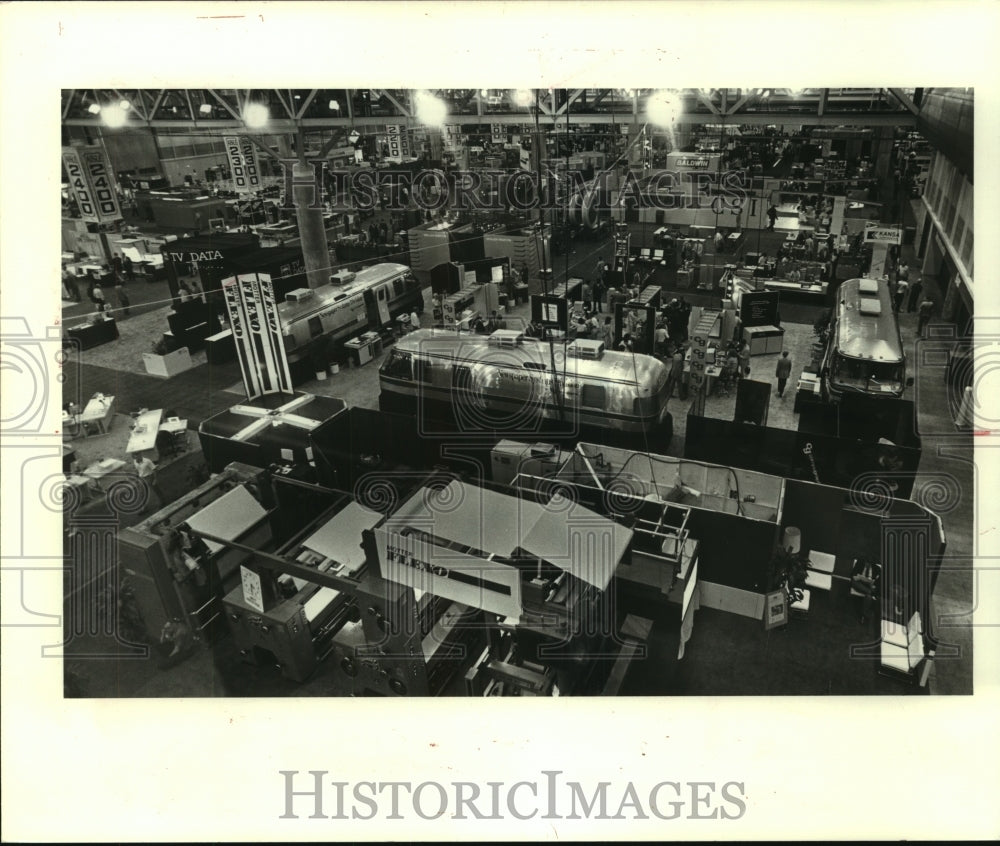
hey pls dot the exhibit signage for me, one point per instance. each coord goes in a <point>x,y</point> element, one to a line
<point>250,163</point>
<point>95,162</point>
<point>883,235</point>
<point>759,308</point>
<point>244,354</point>
<point>91,183</point>
<point>245,176</point>
<point>78,184</point>
<point>414,560</point>
<point>260,347</point>
<point>695,162</point>
<point>253,594</point>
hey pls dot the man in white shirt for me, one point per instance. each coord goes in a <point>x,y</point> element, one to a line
<point>146,471</point>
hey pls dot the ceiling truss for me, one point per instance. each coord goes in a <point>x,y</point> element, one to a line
<point>293,111</point>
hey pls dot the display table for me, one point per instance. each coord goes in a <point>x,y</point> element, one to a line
<point>169,365</point>
<point>174,426</point>
<point>364,348</point>
<point>89,335</point>
<point>98,414</point>
<point>143,437</point>
<point>764,340</point>
<point>100,470</point>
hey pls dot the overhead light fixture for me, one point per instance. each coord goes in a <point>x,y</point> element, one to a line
<point>523,97</point>
<point>796,92</point>
<point>125,105</point>
<point>431,110</point>
<point>205,108</point>
<point>94,108</point>
<point>256,115</point>
<point>113,115</point>
<point>334,106</point>
<point>485,92</point>
<point>663,108</point>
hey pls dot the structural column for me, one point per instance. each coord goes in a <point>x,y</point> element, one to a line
<point>307,197</point>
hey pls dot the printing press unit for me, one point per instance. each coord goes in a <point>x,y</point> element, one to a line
<point>531,570</point>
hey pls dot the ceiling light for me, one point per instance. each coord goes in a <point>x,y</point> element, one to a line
<point>125,105</point>
<point>662,108</point>
<point>334,105</point>
<point>431,110</point>
<point>255,115</point>
<point>205,108</point>
<point>523,97</point>
<point>94,108</point>
<point>113,115</point>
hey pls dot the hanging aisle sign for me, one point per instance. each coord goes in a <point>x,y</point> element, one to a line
<point>250,163</point>
<point>79,185</point>
<point>245,176</point>
<point>92,184</point>
<point>260,347</point>
<point>397,141</point>
<point>883,235</point>
<point>95,161</point>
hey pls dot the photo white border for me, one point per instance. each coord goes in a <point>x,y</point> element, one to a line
<point>919,767</point>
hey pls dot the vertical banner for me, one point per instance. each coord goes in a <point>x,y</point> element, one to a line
<point>393,141</point>
<point>250,163</point>
<point>236,152</point>
<point>272,330</point>
<point>253,314</point>
<point>79,185</point>
<point>102,186</point>
<point>699,345</point>
<point>238,323</point>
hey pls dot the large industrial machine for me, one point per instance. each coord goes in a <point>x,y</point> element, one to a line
<point>542,571</point>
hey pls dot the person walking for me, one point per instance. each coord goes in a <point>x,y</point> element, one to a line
<point>916,289</point>
<point>97,294</point>
<point>598,292</point>
<point>897,300</point>
<point>782,371</point>
<point>129,268</point>
<point>123,301</point>
<point>772,217</point>
<point>744,359</point>
<point>924,315</point>
<point>608,334</point>
<point>72,289</point>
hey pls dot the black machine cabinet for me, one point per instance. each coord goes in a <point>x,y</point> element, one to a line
<point>92,335</point>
